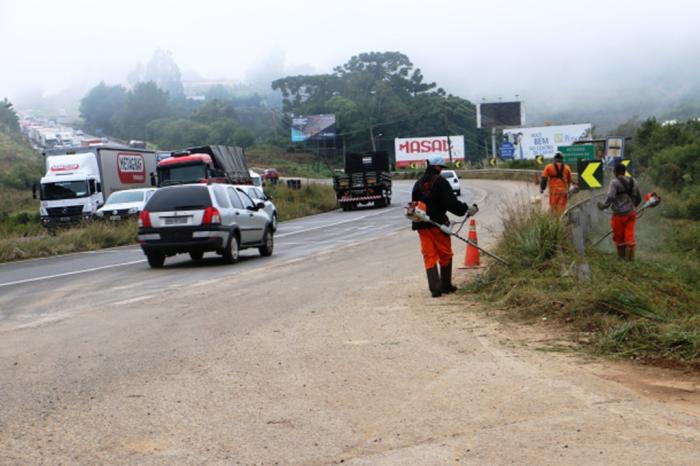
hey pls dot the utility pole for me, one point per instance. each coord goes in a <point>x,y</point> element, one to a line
<point>274,122</point>
<point>371,137</point>
<point>447,128</point>
<point>493,142</point>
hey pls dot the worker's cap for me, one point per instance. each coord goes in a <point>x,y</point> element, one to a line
<point>558,156</point>
<point>436,160</point>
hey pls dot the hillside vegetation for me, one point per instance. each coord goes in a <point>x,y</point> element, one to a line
<point>20,165</point>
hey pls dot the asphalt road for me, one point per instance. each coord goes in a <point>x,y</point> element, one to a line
<point>50,288</point>
<point>330,351</point>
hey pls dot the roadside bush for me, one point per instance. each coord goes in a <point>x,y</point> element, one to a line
<point>531,236</point>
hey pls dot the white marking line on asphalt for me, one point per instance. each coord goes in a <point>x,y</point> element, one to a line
<point>354,219</point>
<point>66,274</point>
<point>133,300</point>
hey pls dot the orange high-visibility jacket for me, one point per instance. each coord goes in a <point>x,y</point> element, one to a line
<point>559,178</point>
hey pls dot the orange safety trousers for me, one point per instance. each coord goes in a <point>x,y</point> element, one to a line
<point>623,229</point>
<point>557,201</point>
<point>435,246</point>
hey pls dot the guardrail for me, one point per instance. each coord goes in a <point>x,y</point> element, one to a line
<point>515,174</point>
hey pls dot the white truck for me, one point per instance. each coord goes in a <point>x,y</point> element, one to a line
<point>78,180</point>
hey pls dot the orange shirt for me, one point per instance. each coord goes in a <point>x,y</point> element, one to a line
<point>556,184</point>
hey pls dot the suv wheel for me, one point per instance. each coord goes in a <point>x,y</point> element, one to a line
<point>268,243</point>
<point>155,259</point>
<point>232,251</point>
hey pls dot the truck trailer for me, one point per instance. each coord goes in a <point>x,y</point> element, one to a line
<point>366,180</point>
<point>79,180</point>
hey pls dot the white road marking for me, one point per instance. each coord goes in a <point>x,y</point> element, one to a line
<point>66,274</point>
<point>133,300</point>
<point>354,219</point>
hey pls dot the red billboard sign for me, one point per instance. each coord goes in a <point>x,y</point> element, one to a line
<point>131,168</point>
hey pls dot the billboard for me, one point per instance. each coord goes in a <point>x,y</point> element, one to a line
<point>544,140</point>
<point>416,150</point>
<point>313,127</point>
<point>500,115</point>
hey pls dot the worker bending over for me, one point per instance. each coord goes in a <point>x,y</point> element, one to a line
<point>436,193</point>
<point>558,174</point>
<point>623,196</point>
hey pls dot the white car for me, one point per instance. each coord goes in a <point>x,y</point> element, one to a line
<point>453,179</point>
<point>258,195</point>
<point>124,204</point>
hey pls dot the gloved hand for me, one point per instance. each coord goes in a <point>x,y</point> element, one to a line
<point>472,210</point>
<point>601,205</point>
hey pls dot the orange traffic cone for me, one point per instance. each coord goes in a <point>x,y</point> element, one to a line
<point>471,259</point>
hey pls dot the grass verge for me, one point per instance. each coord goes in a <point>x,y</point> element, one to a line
<point>646,309</point>
<point>93,235</point>
<point>309,200</point>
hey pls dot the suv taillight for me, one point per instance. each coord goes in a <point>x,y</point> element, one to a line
<point>211,216</point>
<point>144,219</point>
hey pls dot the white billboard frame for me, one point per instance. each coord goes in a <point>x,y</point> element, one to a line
<point>544,140</point>
<point>417,149</point>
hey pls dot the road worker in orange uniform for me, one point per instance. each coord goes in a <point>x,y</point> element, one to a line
<point>558,174</point>
<point>436,196</point>
<point>623,197</point>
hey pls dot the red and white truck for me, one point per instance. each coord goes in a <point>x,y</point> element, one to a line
<point>79,180</point>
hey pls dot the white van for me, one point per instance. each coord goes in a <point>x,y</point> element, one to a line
<point>257,179</point>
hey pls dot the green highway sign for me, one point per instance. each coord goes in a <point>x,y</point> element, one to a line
<point>572,154</point>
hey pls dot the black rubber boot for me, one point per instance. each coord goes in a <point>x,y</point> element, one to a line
<point>622,252</point>
<point>446,279</point>
<point>434,282</point>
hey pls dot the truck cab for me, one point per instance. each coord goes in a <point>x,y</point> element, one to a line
<point>71,189</point>
<point>206,164</point>
<point>185,168</point>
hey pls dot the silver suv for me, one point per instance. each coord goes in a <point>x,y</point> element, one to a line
<point>198,218</point>
<point>258,195</point>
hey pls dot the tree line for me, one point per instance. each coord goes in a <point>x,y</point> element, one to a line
<point>670,155</point>
<point>375,96</point>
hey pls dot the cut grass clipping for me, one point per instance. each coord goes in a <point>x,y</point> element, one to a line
<point>643,310</point>
<point>23,237</point>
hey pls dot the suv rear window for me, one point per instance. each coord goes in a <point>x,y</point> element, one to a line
<point>179,198</point>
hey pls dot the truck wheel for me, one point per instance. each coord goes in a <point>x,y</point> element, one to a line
<point>156,259</point>
<point>345,206</point>
<point>232,251</point>
<point>388,201</point>
<point>268,243</point>
<point>380,203</point>
<point>196,255</point>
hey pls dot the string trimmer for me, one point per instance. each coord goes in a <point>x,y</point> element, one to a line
<point>650,200</point>
<point>415,211</point>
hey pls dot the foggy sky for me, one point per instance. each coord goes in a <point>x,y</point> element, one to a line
<point>545,51</point>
